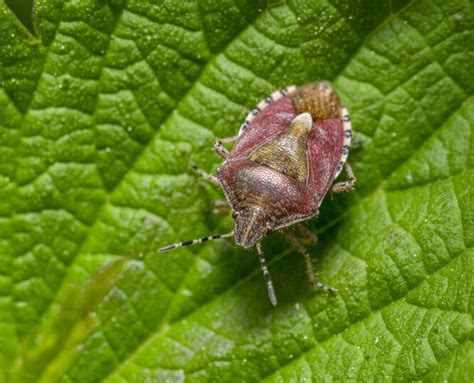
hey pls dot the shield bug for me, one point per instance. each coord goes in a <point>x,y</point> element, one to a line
<point>287,154</point>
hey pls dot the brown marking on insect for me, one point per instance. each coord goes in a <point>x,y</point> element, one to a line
<point>318,99</point>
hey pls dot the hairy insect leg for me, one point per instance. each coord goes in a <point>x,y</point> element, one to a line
<point>307,233</point>
<point>309,264</point>
<point>266,275</point>
<point>195,241</point>
<point>345,185</point>
<point>219,149</point>
<point>212,179</point>
<point>223,152</point>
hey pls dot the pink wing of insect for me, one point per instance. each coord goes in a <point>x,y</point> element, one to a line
<point>328,148</point>
<point>263,123</point>
<point>325,146</point>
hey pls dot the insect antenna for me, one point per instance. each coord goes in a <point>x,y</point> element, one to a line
<point>195,241</point>
<point>266,275</point>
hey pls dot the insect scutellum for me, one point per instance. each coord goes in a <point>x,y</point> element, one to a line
<point>277,177</point>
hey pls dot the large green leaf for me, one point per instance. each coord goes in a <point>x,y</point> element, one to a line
<point>99,117</point>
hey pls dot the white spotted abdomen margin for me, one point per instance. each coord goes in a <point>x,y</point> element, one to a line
<point>347,141</point>
<point>264,103</point>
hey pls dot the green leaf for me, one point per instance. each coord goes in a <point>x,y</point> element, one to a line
<point>99,117</point>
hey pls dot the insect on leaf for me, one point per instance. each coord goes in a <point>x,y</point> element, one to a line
<point>101,113</point>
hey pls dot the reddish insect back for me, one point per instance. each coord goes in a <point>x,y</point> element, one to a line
<point>266,124</point>
<point>325,145</point>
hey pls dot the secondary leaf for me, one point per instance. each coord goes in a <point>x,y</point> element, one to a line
<point>99,118</point>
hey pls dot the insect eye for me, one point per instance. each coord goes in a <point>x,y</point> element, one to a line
<point>234,214</point>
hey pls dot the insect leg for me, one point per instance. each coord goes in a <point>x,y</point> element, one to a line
<point>195,241</point>
<point>228,139</point>
<point>307,233</point>
<point>212,179</point>
<point>345,185</point>
<point>309,264</point>
<point>223,152</point>
<point>266,275</point>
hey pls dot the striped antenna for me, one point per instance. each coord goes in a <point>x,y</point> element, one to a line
<point>194,241</point>
<point>266,275</point>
